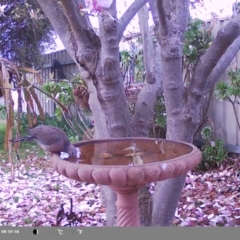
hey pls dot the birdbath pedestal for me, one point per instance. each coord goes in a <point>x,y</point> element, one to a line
<point>127,164</point>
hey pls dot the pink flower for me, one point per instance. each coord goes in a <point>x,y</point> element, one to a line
<point>98,5</point>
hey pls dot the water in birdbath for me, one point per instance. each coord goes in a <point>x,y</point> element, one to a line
<point>129,152</point>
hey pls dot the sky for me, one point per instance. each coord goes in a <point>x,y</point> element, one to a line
<point>222,8</point>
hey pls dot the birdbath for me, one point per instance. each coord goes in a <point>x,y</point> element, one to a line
<point>126,165</point>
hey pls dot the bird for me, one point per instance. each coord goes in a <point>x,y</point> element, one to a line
<point>51,139</point>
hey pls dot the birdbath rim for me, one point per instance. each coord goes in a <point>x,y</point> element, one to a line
<point>121,176</point>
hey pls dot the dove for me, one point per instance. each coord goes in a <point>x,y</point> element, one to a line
<point>51,139</point>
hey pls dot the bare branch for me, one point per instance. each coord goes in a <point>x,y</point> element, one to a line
<point>59,23</point>
<point>148,47</point>
<point>113,9</point>
<point>128,15</point>
<point>153,8</point>
<point>65,30</point>
<point>80,24</point>
<point>205,66</point>
<point>147,98</point>
<point>223,63</point>
<point>209,60</point>
<point>162,16</point>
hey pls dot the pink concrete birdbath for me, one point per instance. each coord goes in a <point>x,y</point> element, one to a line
<point>127,164</point>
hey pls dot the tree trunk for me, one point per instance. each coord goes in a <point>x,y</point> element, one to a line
<point>145,206</point>
<point>173,18</point>
<point>146,101</point>
<point>147,98</point>
<point>165,200</point>
<point>97,58</point>
<point>108,198</point>
<point>183,106</point>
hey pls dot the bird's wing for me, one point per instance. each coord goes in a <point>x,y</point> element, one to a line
<point>48,134</point>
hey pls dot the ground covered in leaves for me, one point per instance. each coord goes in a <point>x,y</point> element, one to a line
<point>38,196</point>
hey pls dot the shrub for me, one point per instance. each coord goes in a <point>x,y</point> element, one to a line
<point>213,152</point>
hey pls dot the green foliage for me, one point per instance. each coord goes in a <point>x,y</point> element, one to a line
<point>160,113</point>
<point>213,152</point>
<point>133,61</point>
<point>229,90</point>
<point>160,124</point>
<point>64,89</point>
<point>206,133</point>
<point>3,112</point>
<point>25,33</point>
<point>221,91</point>
<point>196,42</point>
<point>2,134</point>
<point>195,45</point>
<point>64,92</point>
<point>66,110</point>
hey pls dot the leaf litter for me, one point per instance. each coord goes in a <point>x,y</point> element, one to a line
<point>38,196</point>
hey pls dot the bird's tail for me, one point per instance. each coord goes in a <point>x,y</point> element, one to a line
<point>27,138</point>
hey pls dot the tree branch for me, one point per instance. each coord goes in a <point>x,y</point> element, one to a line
<point>80,24</point>
<point>108,30</point>
<point>223,63</point>
<point>148,47</point>
<point>153,8</point>
<point>204,67</point>
<point>147,98</point>
<point>162,16</point>
<point>221,66</point>
<point>60,23</point>
<point>128,15</point>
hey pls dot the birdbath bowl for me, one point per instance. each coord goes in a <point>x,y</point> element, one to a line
<point>126,165</point>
